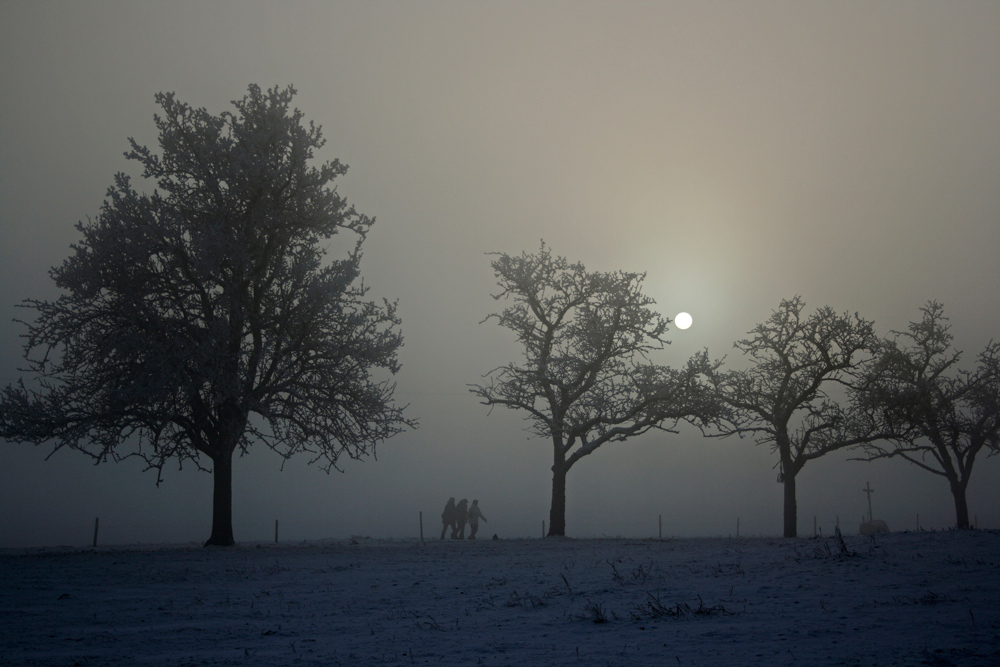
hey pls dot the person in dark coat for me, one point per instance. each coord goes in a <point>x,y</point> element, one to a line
<point>474,516</point>
<point>448,518</point>
<point>461,516</point>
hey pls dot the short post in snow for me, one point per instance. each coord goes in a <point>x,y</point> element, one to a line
<point>421,526</point>
<point>869,490</point>
<point>275,531</point>
<point>661,526</point>
<point>96,521</point>
<point>737,528</point>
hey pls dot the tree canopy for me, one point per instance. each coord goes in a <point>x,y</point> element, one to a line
<point>207,315</point>
<point>935,414</point>
<point>585,379</point>
<point>784,398</point>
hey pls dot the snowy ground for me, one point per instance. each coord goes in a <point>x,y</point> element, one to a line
<point>902,599</point>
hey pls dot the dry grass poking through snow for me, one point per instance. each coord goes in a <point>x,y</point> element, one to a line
<point>902,599</point>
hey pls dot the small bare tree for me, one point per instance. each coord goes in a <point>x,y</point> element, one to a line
<point>585,380</point>
<point>935,415</point>
<point>784,398</point>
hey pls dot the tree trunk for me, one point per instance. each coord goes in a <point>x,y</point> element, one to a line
<point>791,509</point>
<point>557,513</point>
<point>222,500</point>
<point>961,506</point>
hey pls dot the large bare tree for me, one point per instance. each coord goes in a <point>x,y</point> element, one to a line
<point>938,416</point>
<point>585,379</point>
<point>786,397</point>
<point>205,316</point>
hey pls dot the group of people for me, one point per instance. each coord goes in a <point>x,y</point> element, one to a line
<point>456,515</point>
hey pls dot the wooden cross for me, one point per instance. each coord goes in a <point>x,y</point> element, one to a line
<point>869,490</point>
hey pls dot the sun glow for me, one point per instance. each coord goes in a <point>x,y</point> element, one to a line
<point>683,320</point>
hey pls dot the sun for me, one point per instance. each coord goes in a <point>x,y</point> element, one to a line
<point>683,320</point>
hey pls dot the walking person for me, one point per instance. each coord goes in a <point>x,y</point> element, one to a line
<point>474,515</point>
<point>448,518</point>
<point>461,515</point>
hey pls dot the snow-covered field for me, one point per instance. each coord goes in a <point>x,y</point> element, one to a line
<point>900,599</point>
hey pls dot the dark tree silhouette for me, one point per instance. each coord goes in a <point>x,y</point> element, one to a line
<point>585,379</point>
<point>205,316</point>
<point>935,415</point>
<point>783,398</point>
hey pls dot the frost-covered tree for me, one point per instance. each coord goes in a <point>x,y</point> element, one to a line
<point>784,398</point>
<point>939,417</point>
<point>585,379</point>
<point>206,316</point>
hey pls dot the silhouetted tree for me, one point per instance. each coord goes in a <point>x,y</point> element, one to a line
<point>938,416</point>
<point>585,379</point>
<point>783,398</point>
<point>205,316</point>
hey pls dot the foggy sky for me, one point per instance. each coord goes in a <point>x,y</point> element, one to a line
<point>738,153</point>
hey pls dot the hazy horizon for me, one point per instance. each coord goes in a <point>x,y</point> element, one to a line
<point>737,153</point>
